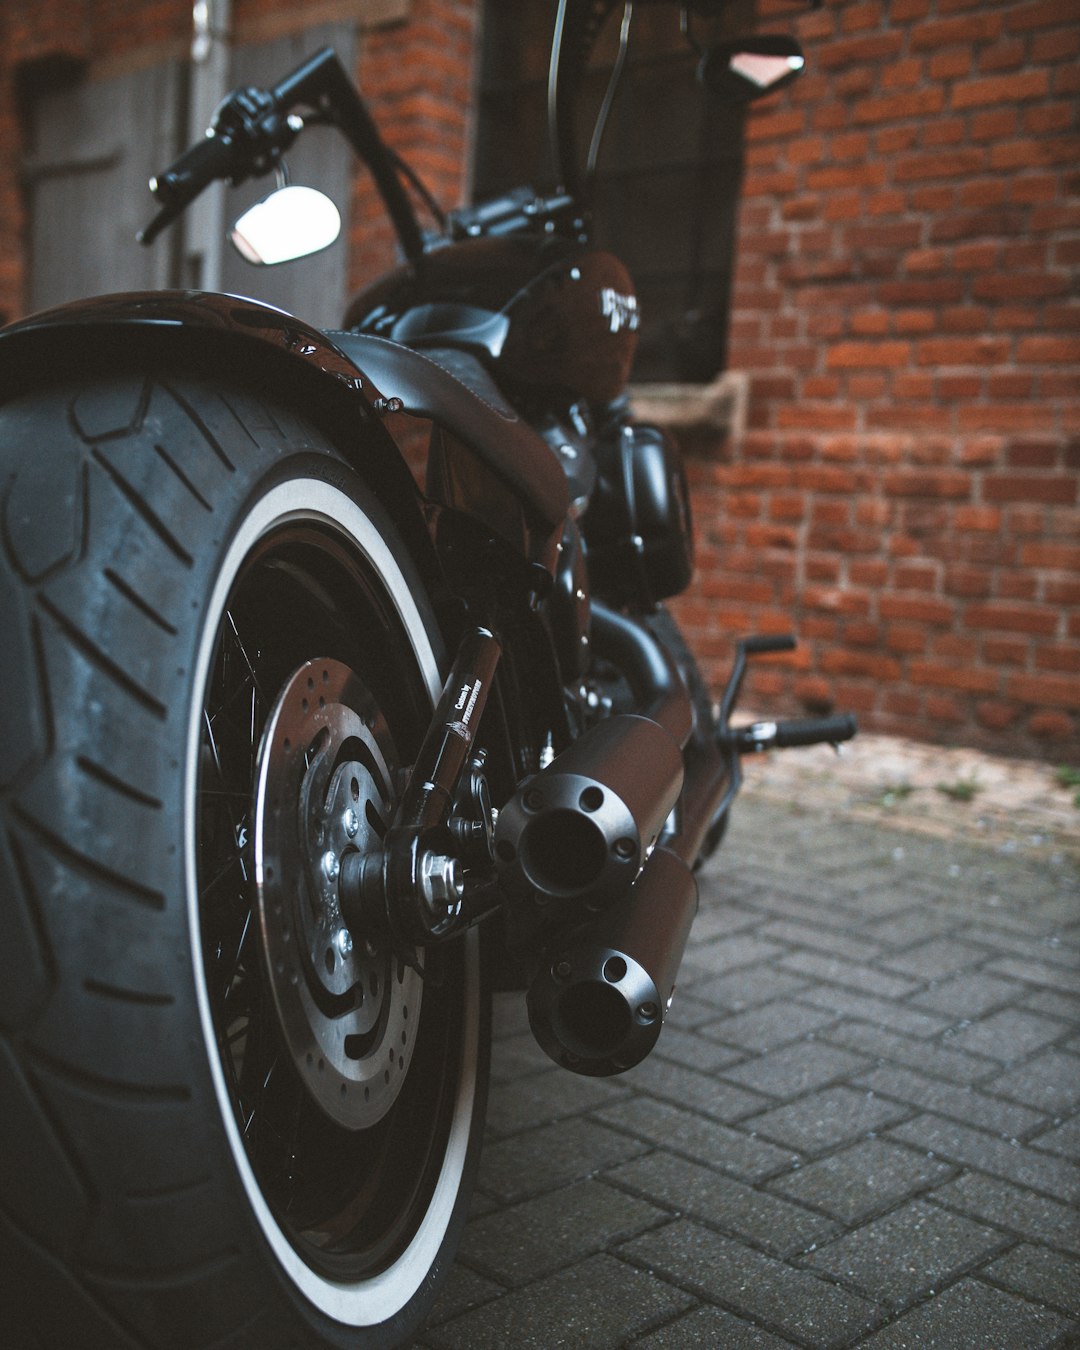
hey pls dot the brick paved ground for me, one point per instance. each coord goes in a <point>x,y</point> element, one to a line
<point>861,1125</point>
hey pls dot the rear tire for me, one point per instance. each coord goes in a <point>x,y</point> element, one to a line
<point>184,1159</point>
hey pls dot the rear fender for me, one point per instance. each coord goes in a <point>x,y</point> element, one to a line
<point>233,337</point>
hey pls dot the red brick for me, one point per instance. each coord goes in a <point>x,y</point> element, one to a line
<point>959,678</point>
<point>950,64</point>
<point>939,708</point>
<point>1048,553</point>
<point>868,354</point>
<point>919,609</point>
<point>981,518</point>
<point>1043,350</point>
<point>965,31</point>
<point>925,102</point>
<point>962,352</point>
<point>916,484</point>
<point>1005,651</point>
<point>1057,691</point>
<point>1044,14</point>
<point>1022,285</point>
<point>1053,727</point>
<point>940,164</point>
<point>1015,487</point>
<point>973,583</point>
<point>996,715</point>
<point>877,665</point>
<point>1001,89</point>
<point>1011,618</point>
<point>1050,48</point>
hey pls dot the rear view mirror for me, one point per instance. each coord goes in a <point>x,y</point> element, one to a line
<point>748,68</point>
<point>292,222</point>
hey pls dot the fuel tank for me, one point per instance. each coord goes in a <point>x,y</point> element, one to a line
<point>546,315</point>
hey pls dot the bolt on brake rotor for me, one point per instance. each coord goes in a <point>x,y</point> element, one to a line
<point>347,1004</point>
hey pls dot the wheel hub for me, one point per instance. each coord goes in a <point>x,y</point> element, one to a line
<point>347,1003</point>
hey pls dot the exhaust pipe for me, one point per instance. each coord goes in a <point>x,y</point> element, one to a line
<point>598,1002</point>
<point>581,828</point>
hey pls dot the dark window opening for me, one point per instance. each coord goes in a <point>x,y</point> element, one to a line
<point>667,179</point>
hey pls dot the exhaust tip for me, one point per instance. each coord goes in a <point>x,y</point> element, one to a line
<point>596,1012</point>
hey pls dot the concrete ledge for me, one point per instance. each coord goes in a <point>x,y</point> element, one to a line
<point>717,407</point>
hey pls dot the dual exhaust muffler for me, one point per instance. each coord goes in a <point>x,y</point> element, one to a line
<point>579,840</point>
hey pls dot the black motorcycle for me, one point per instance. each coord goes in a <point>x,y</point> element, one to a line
<point>299,762</point>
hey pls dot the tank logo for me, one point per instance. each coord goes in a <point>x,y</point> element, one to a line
<point>621,311</point>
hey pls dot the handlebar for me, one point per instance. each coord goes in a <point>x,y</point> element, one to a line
<point>796,731</point>
<point>252,129</point>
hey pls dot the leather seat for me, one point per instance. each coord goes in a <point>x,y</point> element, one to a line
<point>454,390</point>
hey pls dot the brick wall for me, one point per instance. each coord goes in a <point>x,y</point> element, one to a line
<point>906,304</point>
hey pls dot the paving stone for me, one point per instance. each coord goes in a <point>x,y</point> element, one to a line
<point>914,925</point>
<point>540,1098</point>
<point>530,1240</point>
<point>1040,1275</point>
<point>862,1180</point>
<point>709,1328</point>
<point>747,988</point>
<point>464,1289</point>
<point>990,1153</point>
<point>796,1069</point>
<point>972,1316</point>
<point>1040,973</point>
<point>1050,1081</point>
<point>952,1065</point>
<point>720,921</point>
<point>819,938</point>
<point>969,994</point>
<point>599,1303</point>
<point>514,1057</point>
<point>743,1211</point>
<point>965,1104</point>
<point>1025,946</point>
<point>699,1138</point>
<point>1062,1139</point>
<point>819,1220</point>
<point>685,1087</point>
<point>878,1012</point>
<point>1055,1004</point>
<point>935,959</point>
<point>1013,1208</point>
<point>689,1013</point>
<point>1007,1035</point>
<point>695,1052</point>
<point>826,1119</point>
<point>818,904</point>
<point>729,953</point>
<point>848,974</point>
<point>791,1302</point>
<point>551,1156</point>
<point>771,1026</point>
<point>906,1254</point>
<point>509,1015</point>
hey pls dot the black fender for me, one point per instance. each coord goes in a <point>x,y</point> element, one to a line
<point>239,338</point>
<point>248,339</point>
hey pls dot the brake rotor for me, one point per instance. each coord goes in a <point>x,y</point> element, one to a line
<point>348,1004</point>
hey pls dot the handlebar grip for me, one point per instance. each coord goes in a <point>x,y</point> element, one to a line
<point>764,643</point>
<point>197,167</point>
<point>814,730</point>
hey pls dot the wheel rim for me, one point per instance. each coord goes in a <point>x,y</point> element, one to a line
<point>355,1207</point>
<point>347,1005</point>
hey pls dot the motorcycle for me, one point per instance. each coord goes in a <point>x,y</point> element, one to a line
<point>300,762</point>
